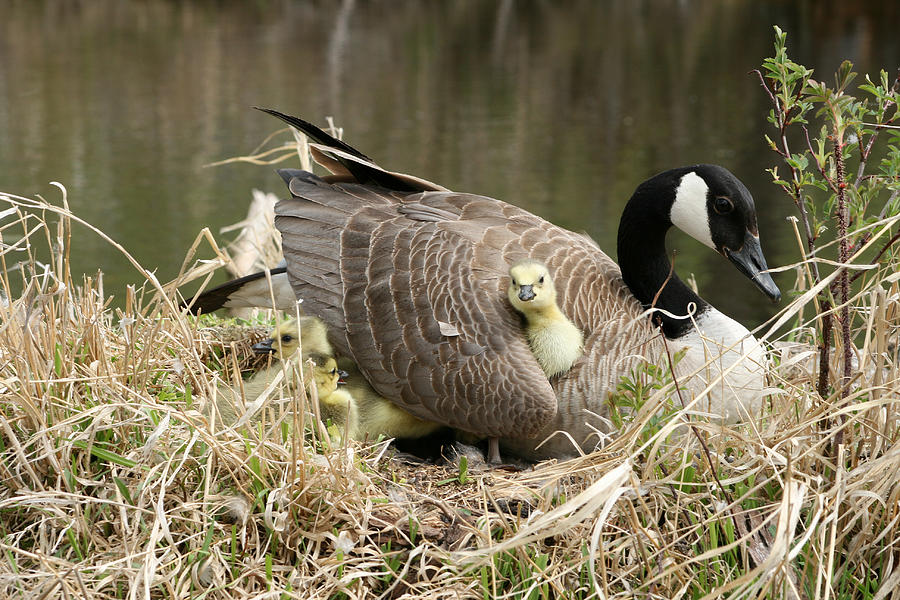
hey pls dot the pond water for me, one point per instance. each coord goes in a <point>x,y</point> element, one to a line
<point>559,107</point>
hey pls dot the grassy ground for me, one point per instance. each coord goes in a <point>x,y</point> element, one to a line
<point>114,484</point>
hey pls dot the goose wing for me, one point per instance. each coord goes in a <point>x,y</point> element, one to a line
<point>415,292</point>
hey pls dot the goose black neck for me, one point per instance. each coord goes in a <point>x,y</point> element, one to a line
<point>646,267</point>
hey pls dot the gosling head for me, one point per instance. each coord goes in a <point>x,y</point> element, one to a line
<point>282,341</point>
<point>326,374</point>
<point>530,286</point>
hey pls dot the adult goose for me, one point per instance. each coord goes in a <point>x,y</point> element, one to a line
<point>411,279</point>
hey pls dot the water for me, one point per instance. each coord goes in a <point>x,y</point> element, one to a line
<point>559,107</point>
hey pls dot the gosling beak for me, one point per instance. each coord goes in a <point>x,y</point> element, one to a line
<point>526,293</point>
<point>341,377</point>
<point>264,347</point>
<point>750,261</point>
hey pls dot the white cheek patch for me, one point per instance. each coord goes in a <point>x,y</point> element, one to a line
<point>689,209</point>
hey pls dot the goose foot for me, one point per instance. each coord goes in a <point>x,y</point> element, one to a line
<point>493,456</point>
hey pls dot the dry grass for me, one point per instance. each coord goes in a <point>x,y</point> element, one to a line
<point>113,483</point>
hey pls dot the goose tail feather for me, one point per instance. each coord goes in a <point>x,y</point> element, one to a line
<point>342,159</point>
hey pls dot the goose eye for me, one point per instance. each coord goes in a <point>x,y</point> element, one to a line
<point>541,280</point>
<point>286,338</point>
<point>723,205</point>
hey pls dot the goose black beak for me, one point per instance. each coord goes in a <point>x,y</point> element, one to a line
<point>264,347</point>
<point>750,261</point>
<point>342,377</point>
<point>526,293</point>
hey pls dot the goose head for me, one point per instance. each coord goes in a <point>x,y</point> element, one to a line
<point>530,286</point>
<point>711,205</point>
<point>714,207</point>
<point>282,341</point>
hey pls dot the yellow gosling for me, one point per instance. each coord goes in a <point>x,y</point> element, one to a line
<point>283,340</point>
<point>282,344</point>
<point>336,406</point>
<point>378,416</point>
<point>555,341</point>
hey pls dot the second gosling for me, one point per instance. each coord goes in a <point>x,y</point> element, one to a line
<point>336,406</point>
<point>554,340</point>
<point>283,340</point>
<point>377,416</point>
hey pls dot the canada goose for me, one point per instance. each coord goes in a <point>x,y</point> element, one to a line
<point>250,291</point>
<point>410,277</point>
<point>554,339</point>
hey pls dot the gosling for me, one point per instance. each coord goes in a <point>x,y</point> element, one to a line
<point>378,416</point>
<point>282,344</point>
<point>370,415</point>
<point>284,339</point>
<point>554,340</point>
<point>336,406</point>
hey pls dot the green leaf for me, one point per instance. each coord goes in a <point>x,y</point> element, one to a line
<point>123,489</point>
<point>844,76</point>
<point>106,455</point>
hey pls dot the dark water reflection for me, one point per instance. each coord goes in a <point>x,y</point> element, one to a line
<point>560,107</point>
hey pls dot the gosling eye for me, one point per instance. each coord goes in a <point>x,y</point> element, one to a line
<point>514,283</point>
<point>541,280</point>
<point>286,338</point>
<point>723,205</point>
<point>334,371</point>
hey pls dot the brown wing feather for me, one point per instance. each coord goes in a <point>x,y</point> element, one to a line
<point>404,276</point>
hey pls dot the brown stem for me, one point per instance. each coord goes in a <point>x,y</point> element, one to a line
<point>762,82</point>
<point>706,452</point>
<point>884,209</point>
<point>801,208</point>
<point>864,152</point>
<point>733,511</point>
<point>824,350</point>
<point>668,277</point>
<point>863,160</point>
<point>821,168</point>
<point>843,276</point>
